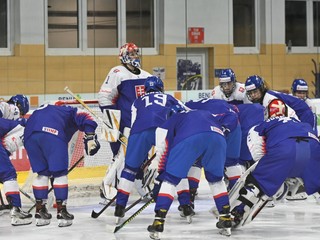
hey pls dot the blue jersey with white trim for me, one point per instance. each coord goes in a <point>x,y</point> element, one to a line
<point>150,110</point>
<point>6,126</point>
<point>221,109</point>
<point>277,129</point>
<point>61,121</point>
<point>188,123</point>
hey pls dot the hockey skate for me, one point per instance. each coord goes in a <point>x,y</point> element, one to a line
<point>224,222</point>
<point>157,226</point>
<point>42,215</point>
<point>20,217</point>
<point>65,219</point>
<point>187,212</point>
<point>119,213</point>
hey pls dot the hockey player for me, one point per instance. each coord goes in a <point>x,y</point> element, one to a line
<point>300,89</point>
<point>258,93</point>
<point>123,84</point>
<point>228,118</point>
<point>285,148</point>
<point>14,109</point>
<point>229,89</point>
<point>189,135</point>
<point>11,134</point>
<point>148,112</point>
<point>46,137</point>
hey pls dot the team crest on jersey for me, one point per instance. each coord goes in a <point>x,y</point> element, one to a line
<point>139,90</point>
<point>116,70</point>
<point>241,89</point>
<point>50,130</point>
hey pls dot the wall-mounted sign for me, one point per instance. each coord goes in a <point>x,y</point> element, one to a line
<point>196,35</point>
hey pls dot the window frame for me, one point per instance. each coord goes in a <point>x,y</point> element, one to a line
<point>8,51</point>
<point>83,48</point>
<point>247,50</point>
<point>310,48</point>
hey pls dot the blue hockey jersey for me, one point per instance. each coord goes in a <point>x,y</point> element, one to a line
<point>6,126</point>
<point>221,109</point>
<point>188,123</point>
<point>62,121</point>
<point>150,110</point>
<point>277,129</point>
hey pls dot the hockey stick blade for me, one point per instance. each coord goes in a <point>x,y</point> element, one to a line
<point>97,214</point>
<point>117,228</point>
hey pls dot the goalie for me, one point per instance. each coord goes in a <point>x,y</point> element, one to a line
<point>285,148</point>
<point>123,84</point>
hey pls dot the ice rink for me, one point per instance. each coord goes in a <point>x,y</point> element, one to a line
<point>288,220</point>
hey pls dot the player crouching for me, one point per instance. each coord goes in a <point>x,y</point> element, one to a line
<point>285,148</point>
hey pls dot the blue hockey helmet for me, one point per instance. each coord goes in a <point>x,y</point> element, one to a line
<point>153,84</point>
<point>253,83</point>
<point>227,81</point>
<point>299,85</point>
<point>21,101</point>
<point>227,75</point>
<point>129,54</point>
<point>174,109</point>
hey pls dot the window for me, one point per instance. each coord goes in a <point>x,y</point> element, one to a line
<point>3,24</point>
<point>302,25</point>
<point>80,26</point>
<point>296,23</point>
<point>244,23</point>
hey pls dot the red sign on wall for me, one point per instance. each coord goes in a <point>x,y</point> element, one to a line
<point>195,35</point>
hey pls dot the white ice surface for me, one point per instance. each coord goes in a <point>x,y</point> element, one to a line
<point>289,220</point>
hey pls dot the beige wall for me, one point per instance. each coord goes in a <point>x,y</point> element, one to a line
<point>30,72</point>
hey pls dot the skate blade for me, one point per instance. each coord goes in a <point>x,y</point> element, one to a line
<point>225,232</point>
<point>20,222</point>
<point>154,235</point>
<point>42,222</point>
<point>64,223</point>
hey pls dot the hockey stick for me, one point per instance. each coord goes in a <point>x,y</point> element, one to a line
<point>123,139</point>
<point>70,169</point>
<point>97,214</point>
<point>234,192</point>
<point>27,195</point>
<point>139,200</point>
<point>117,228</point>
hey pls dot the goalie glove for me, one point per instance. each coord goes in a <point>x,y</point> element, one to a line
<point>91,144</point>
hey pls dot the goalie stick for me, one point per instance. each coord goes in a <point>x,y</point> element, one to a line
<point>70,169</point>
<point>122,139</point>
<point>117,228</point>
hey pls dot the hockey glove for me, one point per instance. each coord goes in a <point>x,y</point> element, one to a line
<point>91,144</point>
<point>225,130</point>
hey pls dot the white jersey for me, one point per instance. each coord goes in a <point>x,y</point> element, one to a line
<point>311,105</point>
<point>108,94</point>
<point>238,96</point>
<point>9,111</point>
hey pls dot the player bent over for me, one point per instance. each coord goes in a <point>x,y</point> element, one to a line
<point>285,148</point>
<point>148,112</point>
<point>46,137</point>
<point>11,134</point>
<point>189,135</point>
